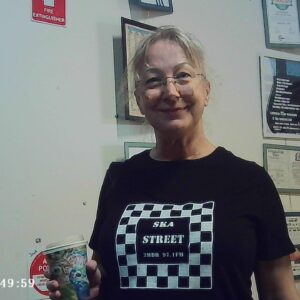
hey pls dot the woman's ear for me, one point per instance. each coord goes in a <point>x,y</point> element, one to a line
<point>207,91</point>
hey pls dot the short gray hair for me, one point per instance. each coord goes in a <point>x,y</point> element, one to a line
<point>190,46</point>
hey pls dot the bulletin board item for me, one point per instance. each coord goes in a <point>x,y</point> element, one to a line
<point>133,148</point>
<point>49,11</point>
<point>283,165</point>
<point>37,266</point>
<point>280,97</point>
<point>162,5</point>
<point>293,225</point>
<point>281,21</point>
<point>133,33</point>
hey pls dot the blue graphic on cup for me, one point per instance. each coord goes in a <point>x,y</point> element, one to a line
<point>78,279</point>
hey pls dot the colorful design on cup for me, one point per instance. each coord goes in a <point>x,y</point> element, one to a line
<point>78,279</point>
<point>67,266</point>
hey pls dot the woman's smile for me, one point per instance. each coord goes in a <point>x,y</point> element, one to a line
<point>175,109</point>
<point>174,112</point>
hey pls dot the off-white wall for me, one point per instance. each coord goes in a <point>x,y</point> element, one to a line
<point>57,110</point>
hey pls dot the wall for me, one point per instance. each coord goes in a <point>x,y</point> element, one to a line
<point>57,110</point>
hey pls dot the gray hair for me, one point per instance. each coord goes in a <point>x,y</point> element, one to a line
<point>190,46</point>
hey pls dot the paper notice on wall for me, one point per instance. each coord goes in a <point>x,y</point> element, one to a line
<point>280,97</point>
<point>293,225</point>
<point>37,265</point>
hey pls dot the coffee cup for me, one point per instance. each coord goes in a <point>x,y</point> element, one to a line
<point>66,260</point>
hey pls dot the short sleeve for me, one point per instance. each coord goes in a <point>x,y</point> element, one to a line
<point>273,238</point>
<point>111,177</point>
<point>100,211</point>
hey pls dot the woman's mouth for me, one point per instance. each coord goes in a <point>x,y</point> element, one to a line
<point>173,109</point>
<point>174,112</point>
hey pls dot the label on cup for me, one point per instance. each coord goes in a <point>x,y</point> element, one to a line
<point>67,266</point>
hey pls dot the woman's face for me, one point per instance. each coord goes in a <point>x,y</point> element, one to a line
<point>169,105</point>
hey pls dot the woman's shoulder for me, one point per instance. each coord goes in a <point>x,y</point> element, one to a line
<point>234,159</point>
<point>240,165</point>
<point>138,159</point>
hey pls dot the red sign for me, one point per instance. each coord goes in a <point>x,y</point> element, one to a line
<point>49,11</point>
<point>37,268</point>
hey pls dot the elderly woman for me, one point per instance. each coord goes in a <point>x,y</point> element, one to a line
<point>186,220</point>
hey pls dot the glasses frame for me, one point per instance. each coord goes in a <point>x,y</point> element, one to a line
<point>175,80</point>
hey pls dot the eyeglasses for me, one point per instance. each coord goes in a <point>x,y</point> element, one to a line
<point>180,79</point>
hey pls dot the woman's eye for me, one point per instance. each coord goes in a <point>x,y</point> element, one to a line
<point>183,75</point>
<point>153,81</point>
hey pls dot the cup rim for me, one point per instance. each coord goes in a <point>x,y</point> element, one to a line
<point>63,247</point>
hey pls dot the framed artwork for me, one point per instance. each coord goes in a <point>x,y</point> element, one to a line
<point>281,21</point>
<point>283,165</point>
<point>293,226</point>
<point>133,33</point>
<point>163,5</point>
<point>280,97</point>
<point>133,148</point>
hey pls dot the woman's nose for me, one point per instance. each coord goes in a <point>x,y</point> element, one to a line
<point>170,88</point>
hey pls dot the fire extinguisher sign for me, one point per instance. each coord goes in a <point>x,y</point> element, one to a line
<point>49,11</point>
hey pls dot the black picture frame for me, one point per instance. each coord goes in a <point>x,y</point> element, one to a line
<point>162,5</point>
<point>280,94</point>
<point>132,34</point>
<point>280,43</point>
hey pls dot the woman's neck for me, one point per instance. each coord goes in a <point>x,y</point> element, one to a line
<point>181,148</point>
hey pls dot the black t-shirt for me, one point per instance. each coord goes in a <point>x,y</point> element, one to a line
<point>190,229</point>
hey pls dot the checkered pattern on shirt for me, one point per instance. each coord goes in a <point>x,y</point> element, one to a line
<point>196,274</point>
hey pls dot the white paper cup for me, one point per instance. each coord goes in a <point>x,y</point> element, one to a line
<point>66,260</point>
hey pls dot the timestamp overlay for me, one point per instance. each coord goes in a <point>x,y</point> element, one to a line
<point>10,283</point>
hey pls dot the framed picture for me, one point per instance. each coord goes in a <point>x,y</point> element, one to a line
<point>281,21</point>
<point>283,165</point>
<point>293,225</point>
<point>133,33</point>
<point>163,5</point>
<point>280,97</point>
<point>133,148</point>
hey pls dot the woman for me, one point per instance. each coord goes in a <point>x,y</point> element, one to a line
<point>186,220</point>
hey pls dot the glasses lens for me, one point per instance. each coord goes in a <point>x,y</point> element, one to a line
<point>183,78</point>
<point>154,82</point>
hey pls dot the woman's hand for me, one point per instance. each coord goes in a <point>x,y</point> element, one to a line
<point>53,287</point>
<point>94,277</point>
<point>295,256</point>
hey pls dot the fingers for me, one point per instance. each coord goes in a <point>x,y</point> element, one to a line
<point>91,265</point>
<point>93,274</point>
<point>55,295</point>
<point>53,286</point>
<point>295,256</point>
<point>94,292</point>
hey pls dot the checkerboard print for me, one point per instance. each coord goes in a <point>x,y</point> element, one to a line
<point>196,273</point>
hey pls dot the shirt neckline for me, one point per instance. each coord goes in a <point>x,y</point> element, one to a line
<point>185,161</point>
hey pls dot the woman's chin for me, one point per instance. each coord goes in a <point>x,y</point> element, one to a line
<point>170,126</point>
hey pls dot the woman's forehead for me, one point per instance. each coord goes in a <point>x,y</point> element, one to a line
<point>163,49</point>
<point>164,55</point>
<point>167,52</point>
